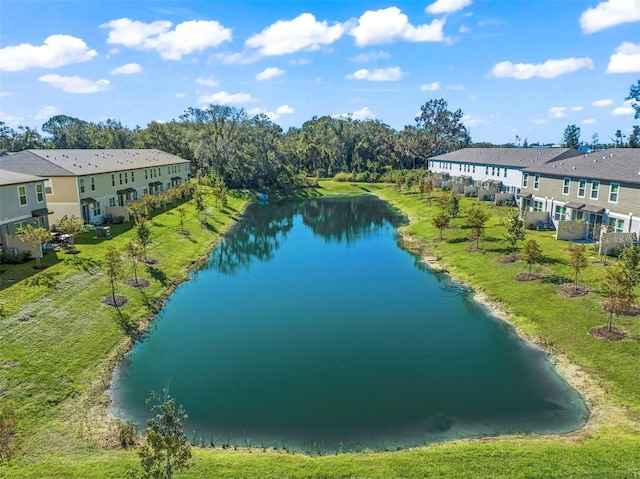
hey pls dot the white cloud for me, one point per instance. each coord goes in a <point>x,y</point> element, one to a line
<point>625,60</point>
<point>433,86</point>
<point>609,14</point>
<point>288,36</point>
<point>447,6</point>
<point>11,120</point>
<point>463,29</point>
<point>557,112</point>
<point>577,108</point>
<point>390,24</point>
<point>5,94</point>
<point>369,57</point>
<point>378,74</point>
<point>623,110</point>
<point>362,114</point>
<point>75,84</point>
<point>179,95</point>
<point>186,38</point>
<point>46,112</point>
<point>301,61</point>
<point>128,69</point>
<point>605,102</point>
<point>540,122</point>
<point>57,51</point>
<point>285,110</point>
<point>210,81</point>
<point>224,98</point>
<point>548,69</point>
<point>471,121</point>
<point>589,121</point>
<point>269,73</point>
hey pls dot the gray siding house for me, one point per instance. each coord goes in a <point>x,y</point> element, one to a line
<point>602,188</point>
<point>498,167</point>
<point>22,202</point>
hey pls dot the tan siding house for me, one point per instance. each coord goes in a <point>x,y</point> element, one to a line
<point>94,183</point>
<point>601,188</point>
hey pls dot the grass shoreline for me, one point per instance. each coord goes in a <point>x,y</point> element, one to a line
<point>605,447</point>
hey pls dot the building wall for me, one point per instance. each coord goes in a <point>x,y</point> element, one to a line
<point>479,172</point>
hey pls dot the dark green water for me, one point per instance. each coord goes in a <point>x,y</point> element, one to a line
<point>309,326</point>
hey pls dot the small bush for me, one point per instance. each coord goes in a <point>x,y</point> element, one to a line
<point>126,434</point>
<point>19,258</point>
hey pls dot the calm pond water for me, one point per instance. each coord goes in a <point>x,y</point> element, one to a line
<point>309,327</point>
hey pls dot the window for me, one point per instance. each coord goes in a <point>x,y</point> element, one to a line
<point>566,183</point>
<point>96,208</point>
<point>486,170</point>
<point>112,201</point>
<point>537,205</point>
<point>81,183</point>
<point>582,188</point>
<point>474,168</point>
<point>160,171</point>
<point>22,195</point>
<point>595,187</point>
<point>93,183</point>
<point>614,191</point>
<point>459,167</point>
<point>617,225</point>
<point>536,182</point>
<point>126,177</point>
<point>146,174</point>
<point>113,180</point>
<point>525,180</point>
<point>168,170</point>
<point>120,177</point>
<point>132,180</point>
<point>48,187</point>
<point>39,192</point>
<point>493,171</point>
<point>20,226</point>
<point>561,212</point>
<point>505,172</point>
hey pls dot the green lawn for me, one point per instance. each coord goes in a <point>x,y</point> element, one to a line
<point>58,344</point>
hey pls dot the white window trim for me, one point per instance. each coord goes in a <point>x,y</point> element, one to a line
<point>26,196</point>
<point>566,186</point>
<point>525,180</point>
<point>41,192</point>
<point>584,190</point>
<point>536,182</point>
<point>597,191</point>
<point>611,191</point>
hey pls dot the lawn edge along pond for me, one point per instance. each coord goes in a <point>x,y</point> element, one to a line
<point>61,426</point>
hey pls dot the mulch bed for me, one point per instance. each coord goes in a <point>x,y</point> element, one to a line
<point>139,283</point>
<point>115,301</point>
<point>148,260</point>
<point>512,258</point>
<point>570,290</point>
<point>633,310</point>
<point>528,276</point>
<point>473,249</point>
<point>183,232</point>
<point>602,332</point>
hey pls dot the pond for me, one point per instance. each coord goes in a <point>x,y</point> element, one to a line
<point>310,328</point>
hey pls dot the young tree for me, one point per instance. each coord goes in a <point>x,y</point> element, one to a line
<point>441,222</point>
<point>450,203</point>
<point>113,268</point>
<point>514,225</point>
<point>183,214</point>
<point>163,198</point>
<point>428,189</point>
<point>149,202</point>
<point>577,260</point>
<point>166,448</point>
<point>476,219</point>
<point>618,293</point>
<point>199,200</point>
<point>134,252</point>
<point>138,210</point>
<point>143,233</point>
<point>35,236</point>
<point>70,226</point>
<point>531,253</point>
<point>630,257</point>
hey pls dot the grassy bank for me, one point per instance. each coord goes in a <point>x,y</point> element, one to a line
<point>59,343</point>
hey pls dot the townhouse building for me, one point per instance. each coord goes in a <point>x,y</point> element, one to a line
<point>602,188</point>
<point>92,184</point>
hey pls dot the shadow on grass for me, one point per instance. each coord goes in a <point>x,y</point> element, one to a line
<point>457,240</point>
<point>158,275</point>
<point>80,263</point>
<point>556,279</point>
<point>47,279</point>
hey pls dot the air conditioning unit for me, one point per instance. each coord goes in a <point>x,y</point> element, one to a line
<point>103,232</point>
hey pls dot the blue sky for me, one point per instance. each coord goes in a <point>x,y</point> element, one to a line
<point>526,68</point>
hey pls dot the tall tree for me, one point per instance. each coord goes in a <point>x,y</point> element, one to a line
<point>571,137</point>
<point>441,130</point>
<point>67,132</point>
<point>166,448</point>
<point>634,138</point>
<point>634,94</point>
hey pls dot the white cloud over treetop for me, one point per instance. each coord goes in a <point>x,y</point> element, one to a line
<point>609,14</point>
<point>625,60</point>
<point>548,69</point>
<point>558,111</point>
<point>46,112</point>
<point>128,69</point>
<point>225,98</point>
<point>186,38</point>
<point>390,24</point>
<point>447,6</point>
<point>378,74</point>
<point>302,33</point>
<point>604,102</point>
<point>269,73</point>
<point>75,84</point>
<point>57,51</point>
